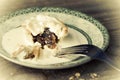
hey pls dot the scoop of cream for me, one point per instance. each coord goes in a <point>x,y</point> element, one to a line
<point>37,24</point>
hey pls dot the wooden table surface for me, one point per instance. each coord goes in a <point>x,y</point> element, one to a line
<point>106,11</point>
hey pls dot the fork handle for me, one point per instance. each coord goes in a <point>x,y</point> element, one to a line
<point>107,60</point>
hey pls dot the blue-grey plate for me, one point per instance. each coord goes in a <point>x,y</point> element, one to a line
<point>84,30</point>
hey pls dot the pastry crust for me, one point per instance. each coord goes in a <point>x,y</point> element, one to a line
<point>45,31</point>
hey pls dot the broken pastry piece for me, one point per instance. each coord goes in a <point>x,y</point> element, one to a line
<point>45,31</point>
<point>46,38</point>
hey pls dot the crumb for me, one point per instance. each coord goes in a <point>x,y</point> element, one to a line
<point>77,75</point>
<point>94,75</point>
<point>72,78</point>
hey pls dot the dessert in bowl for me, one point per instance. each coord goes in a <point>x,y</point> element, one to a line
<point>24,42</point>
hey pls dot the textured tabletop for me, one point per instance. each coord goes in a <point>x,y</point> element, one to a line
<point>106,11</point>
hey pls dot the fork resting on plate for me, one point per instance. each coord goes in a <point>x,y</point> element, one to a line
<point>91,51</point>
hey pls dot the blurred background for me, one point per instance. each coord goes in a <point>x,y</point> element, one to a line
<point>105,11</point>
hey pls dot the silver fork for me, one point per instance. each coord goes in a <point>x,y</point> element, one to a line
<point>88,50</point>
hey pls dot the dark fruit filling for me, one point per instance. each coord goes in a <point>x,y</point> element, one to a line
<point>46,38</point>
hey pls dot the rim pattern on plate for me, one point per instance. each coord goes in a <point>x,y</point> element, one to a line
<point>82,32</point>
